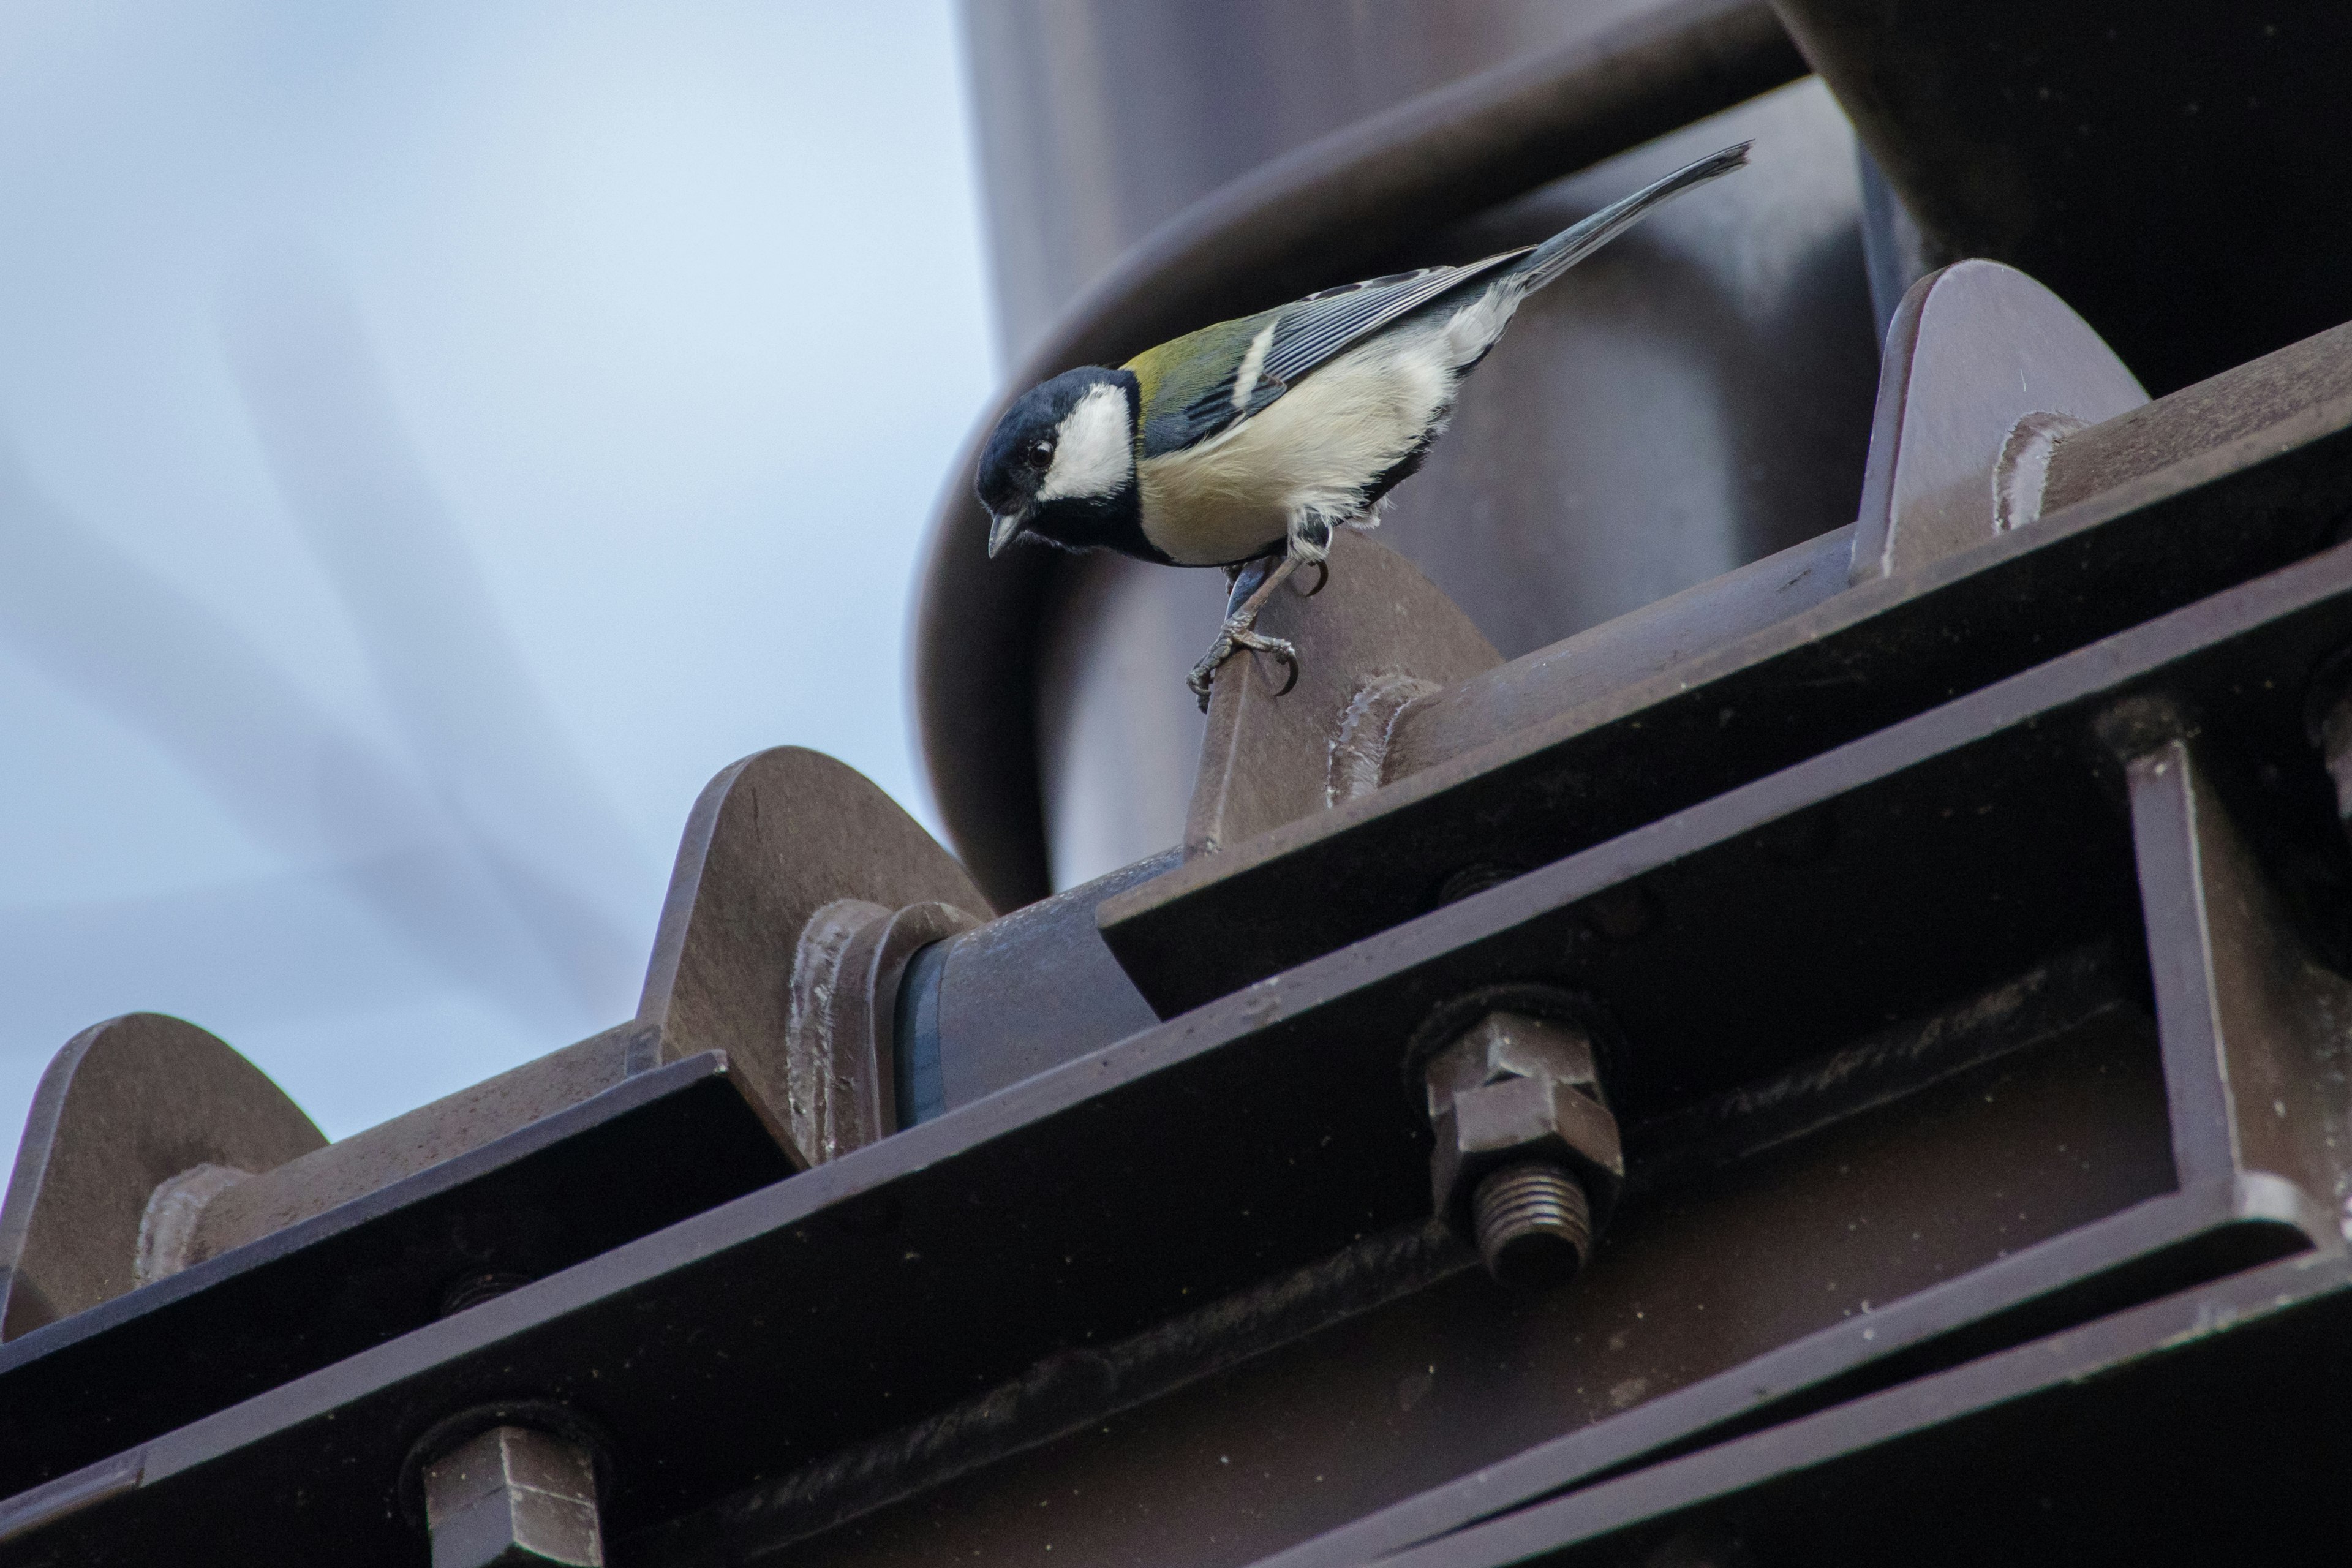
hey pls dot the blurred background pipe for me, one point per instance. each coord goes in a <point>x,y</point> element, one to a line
<point>2175,172</point>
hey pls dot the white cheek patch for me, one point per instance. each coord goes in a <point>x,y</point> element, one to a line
<point>1092,453</point>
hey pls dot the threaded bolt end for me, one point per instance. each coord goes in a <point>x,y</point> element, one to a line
<point>1534,1224</point>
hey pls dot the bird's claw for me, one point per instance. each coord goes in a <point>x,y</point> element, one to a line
<point>1281,650</point>
<point>1230,640</point>
<point>1322,579</point>
<point>1206,671</point>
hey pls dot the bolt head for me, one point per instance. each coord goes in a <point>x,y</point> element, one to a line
<point>514,1496</point>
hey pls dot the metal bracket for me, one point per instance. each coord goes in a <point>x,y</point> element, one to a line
<point>1985,372</point>
<point>800,891</point>
<point>2245,1013</point>
<point>137,1123</point>
<point>1380,636</point>
<point>792,864</point>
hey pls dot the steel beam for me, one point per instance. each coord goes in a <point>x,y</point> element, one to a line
<point>1270,1129</point>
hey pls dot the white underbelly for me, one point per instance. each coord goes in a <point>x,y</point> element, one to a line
<point>1315,452</point>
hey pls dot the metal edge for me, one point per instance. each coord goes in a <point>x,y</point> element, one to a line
<point>628,1095</point>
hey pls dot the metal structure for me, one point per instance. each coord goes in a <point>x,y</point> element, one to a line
<point>1898,984</point>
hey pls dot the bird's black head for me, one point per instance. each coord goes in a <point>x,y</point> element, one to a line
<point>1060,464</point>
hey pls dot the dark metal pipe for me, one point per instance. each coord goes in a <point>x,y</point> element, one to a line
<point>1313,217</point>
<point>2173,172</point>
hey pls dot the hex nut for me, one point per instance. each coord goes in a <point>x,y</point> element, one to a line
<point>1518,1090</point>
<point>514,1496</point>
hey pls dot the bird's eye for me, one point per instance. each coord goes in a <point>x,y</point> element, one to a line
<point>1040,454</point>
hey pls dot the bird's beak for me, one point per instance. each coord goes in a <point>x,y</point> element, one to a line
<point>1002,529</point>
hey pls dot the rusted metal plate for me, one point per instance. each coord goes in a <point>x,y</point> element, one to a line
<point>2253,1021</point>
<point>154,1146</point>
<point>650,1150</point>
<point>1865,658</point>
<point>1270,1131</point>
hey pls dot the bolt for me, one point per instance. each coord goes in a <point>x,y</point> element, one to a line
<point>1528,1163</point>
<point>1534,1224</point>
<point>514,1496</point>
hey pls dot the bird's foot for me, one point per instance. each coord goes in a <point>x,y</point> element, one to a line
<point>1253,583</point>
<point>1245,584</point>
<point>1233,637</point>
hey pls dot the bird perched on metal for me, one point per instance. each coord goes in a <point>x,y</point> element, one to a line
<point>1244,444</point>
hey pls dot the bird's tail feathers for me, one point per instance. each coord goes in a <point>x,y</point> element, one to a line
<point>1571,246</point>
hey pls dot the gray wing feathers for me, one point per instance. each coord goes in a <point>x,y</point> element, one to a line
<point>1321,325</point>
<point>1571,246</point>
<point>1313,330</point>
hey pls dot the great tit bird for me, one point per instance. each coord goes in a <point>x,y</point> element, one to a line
<point>1244,444</point>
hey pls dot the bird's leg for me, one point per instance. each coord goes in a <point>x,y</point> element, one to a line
<point>1310,545</point>
<point>1253,585</point>
<point>1244,580</point>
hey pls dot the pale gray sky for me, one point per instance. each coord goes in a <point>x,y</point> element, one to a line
<point>435,437</point>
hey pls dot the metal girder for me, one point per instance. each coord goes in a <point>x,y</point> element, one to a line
<point>2000,903</point>
<point>2251,1037</point>
<point>2261,478</point>
<point>1308,1423</point>
<point>2047,1453</point>
<point>1269,1130</point>
<point>655,1147</point>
